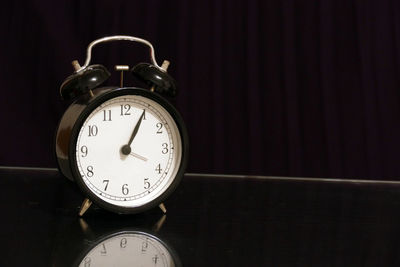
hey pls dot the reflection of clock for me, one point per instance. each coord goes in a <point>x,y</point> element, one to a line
<point>129,248</point>
<point>97,242</point>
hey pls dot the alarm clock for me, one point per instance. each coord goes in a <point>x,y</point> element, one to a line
<point>129,248</point>
<point>125,147</point>
<point>98,242</point>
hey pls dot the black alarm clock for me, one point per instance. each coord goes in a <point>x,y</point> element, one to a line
<point>125,147</point>
<point>100,242</point>
<point>129,248</point>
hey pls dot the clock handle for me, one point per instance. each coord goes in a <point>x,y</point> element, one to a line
<point>87,77</point>
<point>118,38</point>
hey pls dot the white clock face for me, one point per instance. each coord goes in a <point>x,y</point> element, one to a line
<point>129,249</point>
<point>128,151</point>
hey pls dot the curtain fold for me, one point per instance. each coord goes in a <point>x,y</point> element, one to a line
<point>298,88</point>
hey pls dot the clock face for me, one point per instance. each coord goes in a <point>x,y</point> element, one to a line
<point>129,249</point>
<point>128,151</point>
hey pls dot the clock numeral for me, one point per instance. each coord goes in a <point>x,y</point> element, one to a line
<point>90,172</point>
<point>125,189</point>
<point>107,115</point>
<point>125,109</point>
<point>145,245</point>
<point>87,261</point>
<point>103,251</point>
<point>146,183</point>
<point>165,148</point>
<point>93,130</point>
<point>106,182</point>
<point>84,151</point>
<point>159,127</point>
<point>123,242</point>
<point>155,259</point>
<point>158,169</point>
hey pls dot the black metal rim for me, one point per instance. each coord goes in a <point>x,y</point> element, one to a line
<point>92,106</point>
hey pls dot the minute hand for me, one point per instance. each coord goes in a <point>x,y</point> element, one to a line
<point>135,131</point>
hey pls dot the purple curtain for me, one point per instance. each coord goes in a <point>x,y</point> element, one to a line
<point>292,88</point>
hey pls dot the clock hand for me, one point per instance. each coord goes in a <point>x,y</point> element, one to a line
<point>136,129</point>
<point>138,156</point>
<point>126,149</point>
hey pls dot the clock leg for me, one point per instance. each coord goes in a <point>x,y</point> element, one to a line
<point>85,206</point>
<point>159,224</point>
<point>163,208</point>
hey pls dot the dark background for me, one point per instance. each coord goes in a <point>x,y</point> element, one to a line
<point>287,88</point>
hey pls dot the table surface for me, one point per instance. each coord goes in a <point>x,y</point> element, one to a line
<point>212,220</point>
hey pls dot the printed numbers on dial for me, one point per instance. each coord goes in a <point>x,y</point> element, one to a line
<point>154,157</point>
<point>128,249</point>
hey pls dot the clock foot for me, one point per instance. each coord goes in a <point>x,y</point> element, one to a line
<point>84,225</point>
<point>85,206</point>
<point>159,224</point>
<point>163,208</point>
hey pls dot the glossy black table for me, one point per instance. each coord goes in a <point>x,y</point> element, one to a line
<point>212,220</point>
